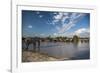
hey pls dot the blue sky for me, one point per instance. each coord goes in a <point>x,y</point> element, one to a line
<point>45,23</point>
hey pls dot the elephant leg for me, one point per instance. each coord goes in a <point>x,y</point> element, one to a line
<point>34,47</point>
<point>27,45</point>
<point>39,46</point>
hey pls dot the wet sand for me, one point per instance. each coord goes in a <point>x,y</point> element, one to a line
<point>30,56</point>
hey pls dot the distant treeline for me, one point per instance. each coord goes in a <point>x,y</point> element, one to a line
<point>75,38</point>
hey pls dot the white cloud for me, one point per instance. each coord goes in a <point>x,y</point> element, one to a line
<point>40,16</point>
<point>54,34</point>
<point>64,19</point>
<point>82,32</point>
<point>75,17</point>
<point>66,27</point>
<point>68,20</point>
<point>55,13</point>
<point>58,16</point>
<point>65,13</point>
<point>29,26</point>
<point>55,20</point>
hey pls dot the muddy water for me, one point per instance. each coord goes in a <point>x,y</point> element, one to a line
<point>65,50</point>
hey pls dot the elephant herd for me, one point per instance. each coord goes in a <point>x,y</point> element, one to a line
<point>34,41</point>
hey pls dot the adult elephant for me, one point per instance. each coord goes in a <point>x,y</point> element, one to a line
<point>35,41</point>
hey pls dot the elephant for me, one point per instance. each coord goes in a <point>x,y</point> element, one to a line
<point>35,41</point>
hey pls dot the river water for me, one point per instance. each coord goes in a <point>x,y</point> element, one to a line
<point>65,50</point>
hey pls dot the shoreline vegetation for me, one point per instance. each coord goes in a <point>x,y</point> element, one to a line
<point>30,56</point>
<point>74,38</point>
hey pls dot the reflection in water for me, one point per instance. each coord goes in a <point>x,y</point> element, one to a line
<point>65,50</point>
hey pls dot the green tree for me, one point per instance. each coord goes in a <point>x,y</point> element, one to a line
<point>75,39</point>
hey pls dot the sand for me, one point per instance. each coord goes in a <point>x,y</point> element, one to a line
<point>30,56</point>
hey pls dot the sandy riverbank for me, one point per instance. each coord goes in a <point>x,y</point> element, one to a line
<point>29,56</point>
